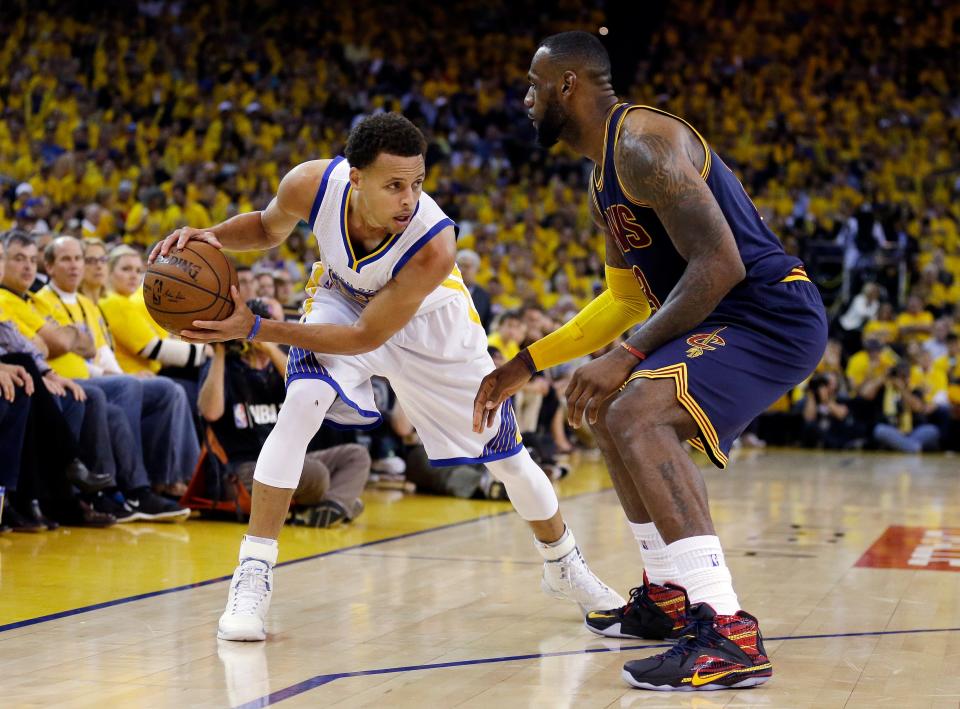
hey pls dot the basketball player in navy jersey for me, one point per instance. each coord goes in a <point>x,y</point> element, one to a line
<point>734,323</point>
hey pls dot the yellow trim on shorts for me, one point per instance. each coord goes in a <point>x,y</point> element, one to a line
<point>797,274</point>
<point>708,441</point>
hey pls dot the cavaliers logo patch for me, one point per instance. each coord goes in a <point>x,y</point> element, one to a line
<point>705,343</point>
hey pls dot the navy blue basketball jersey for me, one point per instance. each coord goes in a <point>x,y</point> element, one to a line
<point>647,247</point>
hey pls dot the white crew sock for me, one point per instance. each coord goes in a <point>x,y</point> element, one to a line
<point>703,572</point>
<point>656,560</point>
<point>558,549</point>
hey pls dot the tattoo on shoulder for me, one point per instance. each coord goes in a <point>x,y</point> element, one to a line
<point>653,169</point>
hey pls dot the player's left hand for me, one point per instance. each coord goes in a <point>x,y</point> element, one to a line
<point>235,327</point>
<point>594,383</point>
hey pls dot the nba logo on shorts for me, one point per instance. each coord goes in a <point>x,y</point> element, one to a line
<point>714,560</point>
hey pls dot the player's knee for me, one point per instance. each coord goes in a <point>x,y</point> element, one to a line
<point>638,410</point>
<point>305,406</point>
<point>600,427</point>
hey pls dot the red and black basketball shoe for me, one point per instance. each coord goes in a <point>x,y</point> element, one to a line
<point>715,652</point>
<point>654,612</point>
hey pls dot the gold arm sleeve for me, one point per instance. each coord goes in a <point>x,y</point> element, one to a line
<point>606,317</point>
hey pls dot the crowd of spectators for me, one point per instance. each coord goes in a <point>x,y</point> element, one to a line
<point>120,123</point>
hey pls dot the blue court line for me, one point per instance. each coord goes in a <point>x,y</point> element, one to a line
<point>289,562</point>
<point>469,559</point>
<point>320,680</point>
<point>207,582</point>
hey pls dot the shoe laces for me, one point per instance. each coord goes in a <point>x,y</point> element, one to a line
<point>576,573</point>
<point>636,593</point>
<point>695,635</point>
<point>251,587</point>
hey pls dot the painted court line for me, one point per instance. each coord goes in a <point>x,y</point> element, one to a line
<point>320,680</point>
<point>466,559</point>
<point>199,584</point>
<point>207,582</point>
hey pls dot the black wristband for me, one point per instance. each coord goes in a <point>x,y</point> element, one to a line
<point>525,357</point>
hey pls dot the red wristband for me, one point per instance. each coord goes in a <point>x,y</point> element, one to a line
<point>633,350</point>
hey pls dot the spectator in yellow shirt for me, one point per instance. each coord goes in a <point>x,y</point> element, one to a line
<point>141,345</point>
<point>884,327</point>
<point>867,369</point>
<point>66,346</point>
<point>915,324</point>
<point>94,283</point>
<point>510,333</point>
<point>151,427</point>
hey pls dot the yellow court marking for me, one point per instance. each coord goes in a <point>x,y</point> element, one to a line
<point>71,568</point>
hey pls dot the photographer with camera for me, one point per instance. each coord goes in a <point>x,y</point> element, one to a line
<point>901,427</point>
<point>241,391</point>
<point>826,418</point>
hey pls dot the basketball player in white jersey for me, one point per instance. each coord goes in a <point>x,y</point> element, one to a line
<point>388,300</point>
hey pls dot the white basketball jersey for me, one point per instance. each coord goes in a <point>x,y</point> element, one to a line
<point>360,279</point>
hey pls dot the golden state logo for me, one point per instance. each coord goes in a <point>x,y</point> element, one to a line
<point>705,343</point>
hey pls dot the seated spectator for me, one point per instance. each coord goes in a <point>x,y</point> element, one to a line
<point>94,282</point>
<point>930,382</point>
<point>142,347</point>
<point>246,283</point>
<point>827,420</point>
<point>897,428</point>
<point>241,391</point>
<point>883,328</point>
<point>35,473</point>
<point>79,353</point>
<point>469,264</point>
<point>16,386</point>
<point>265,286</point>
<point>285,296</point>
<point>863,308</point>
<point>510,332</point>
<point>165,447</point>
<point>914,324</point>
<point>937,344</point>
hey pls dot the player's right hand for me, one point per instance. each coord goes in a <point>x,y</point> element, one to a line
<point>179,238</point>
<point>502,382</point>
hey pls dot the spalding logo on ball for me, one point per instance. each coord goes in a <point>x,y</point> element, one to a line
<point>189,284</point>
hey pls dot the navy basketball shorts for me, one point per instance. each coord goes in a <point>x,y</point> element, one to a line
<point>732,368</point>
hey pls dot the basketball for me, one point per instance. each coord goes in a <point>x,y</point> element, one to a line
<point>189,284</point>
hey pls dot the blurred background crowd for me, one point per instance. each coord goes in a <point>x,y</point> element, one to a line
<point>120,123</point>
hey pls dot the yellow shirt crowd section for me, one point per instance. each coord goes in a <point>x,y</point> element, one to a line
<point>145,124</point>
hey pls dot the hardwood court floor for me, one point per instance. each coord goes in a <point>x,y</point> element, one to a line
<point>433,602</point>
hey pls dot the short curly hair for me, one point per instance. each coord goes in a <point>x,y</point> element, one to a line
<point>383,133</point>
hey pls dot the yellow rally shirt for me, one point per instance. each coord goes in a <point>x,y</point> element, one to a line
<point>132,329</point>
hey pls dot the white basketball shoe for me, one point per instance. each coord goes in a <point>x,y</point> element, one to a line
<point>567,576</point>
<point>250,591</point>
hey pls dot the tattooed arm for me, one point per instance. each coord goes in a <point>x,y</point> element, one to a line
<point>658,165</point>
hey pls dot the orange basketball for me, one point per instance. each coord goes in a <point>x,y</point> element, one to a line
<point>189,284</point>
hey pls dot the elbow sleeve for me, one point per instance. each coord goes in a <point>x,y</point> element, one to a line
<point>174,353</point>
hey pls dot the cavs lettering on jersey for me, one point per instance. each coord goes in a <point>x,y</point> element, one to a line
<point>647,248</point>
<point>360,279</point>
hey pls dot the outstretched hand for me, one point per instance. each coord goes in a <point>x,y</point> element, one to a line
<point>496,387</point>
<point>594,383</point>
